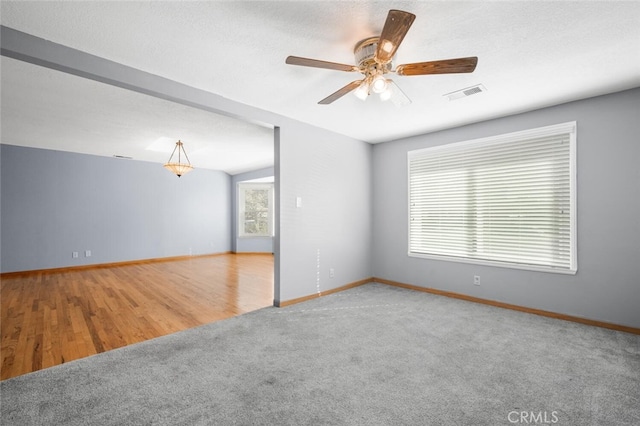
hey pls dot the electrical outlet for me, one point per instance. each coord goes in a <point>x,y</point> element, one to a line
<point>87,253</point>
<point>74,254</point>
<point>476,280</point>
<point>332,273</point>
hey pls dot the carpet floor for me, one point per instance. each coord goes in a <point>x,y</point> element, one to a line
<point>371,355</point>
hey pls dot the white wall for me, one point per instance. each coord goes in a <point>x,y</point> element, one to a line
<point>607,284</point>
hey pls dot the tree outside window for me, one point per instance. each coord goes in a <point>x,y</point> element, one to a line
<point>255,218</point>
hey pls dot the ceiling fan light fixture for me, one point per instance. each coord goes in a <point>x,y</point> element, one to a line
<point>387,46</point>
<point>362,91</point>
<point>379,84</point>
<point>386,95</point>
<point>374,58</point>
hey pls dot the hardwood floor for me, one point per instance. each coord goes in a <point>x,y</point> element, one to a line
<point>49,318</point>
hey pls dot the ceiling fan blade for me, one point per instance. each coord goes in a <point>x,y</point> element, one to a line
<point>340,93</point>
<point>447,66</point>
<point>393,32</point>
<point>306,62</point>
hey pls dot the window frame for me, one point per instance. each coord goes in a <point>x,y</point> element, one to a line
<point>242,187</point>
<point>563,128</point>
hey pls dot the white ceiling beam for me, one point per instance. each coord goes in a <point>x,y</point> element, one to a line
<point>25,47</point>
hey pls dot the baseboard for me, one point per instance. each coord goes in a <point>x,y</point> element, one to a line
<point>110,265</point>
<point>250,253</point>
<point>284,303</point>
<point>495,303</point>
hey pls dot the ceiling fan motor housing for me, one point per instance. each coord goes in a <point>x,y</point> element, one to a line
<point>365,51</point>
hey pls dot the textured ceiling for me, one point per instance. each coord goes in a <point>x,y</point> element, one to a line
<point>531,54</point>
<point>44,108</point>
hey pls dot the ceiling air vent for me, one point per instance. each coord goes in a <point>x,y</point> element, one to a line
<point>478,88</point>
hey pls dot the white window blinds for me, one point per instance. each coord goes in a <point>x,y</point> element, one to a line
<point>507,200</point>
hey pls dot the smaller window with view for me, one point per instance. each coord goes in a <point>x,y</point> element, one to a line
<point>255,209</point>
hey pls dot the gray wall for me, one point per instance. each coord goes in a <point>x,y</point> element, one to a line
<point>247,245</point>
<point>332,228</point>
<point>54,203</point>
<point>607,284</point>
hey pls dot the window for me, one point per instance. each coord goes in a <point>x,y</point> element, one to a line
<point>507,200</point>
<point>255,209</point>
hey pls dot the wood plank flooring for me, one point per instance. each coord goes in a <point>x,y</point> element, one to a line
<point>49,318</point>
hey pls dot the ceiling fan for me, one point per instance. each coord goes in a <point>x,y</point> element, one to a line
<point>374,57</point>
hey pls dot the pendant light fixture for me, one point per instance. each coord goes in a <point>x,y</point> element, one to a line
<point>179,168</point>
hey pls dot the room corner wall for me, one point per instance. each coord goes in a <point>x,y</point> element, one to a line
<point>330,228</point>
<point>55,203</point>
<point>607,285</point>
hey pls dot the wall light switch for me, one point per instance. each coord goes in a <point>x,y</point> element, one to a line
<point>298,202</point>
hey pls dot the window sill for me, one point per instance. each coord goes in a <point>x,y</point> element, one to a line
<point>520,266</point>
